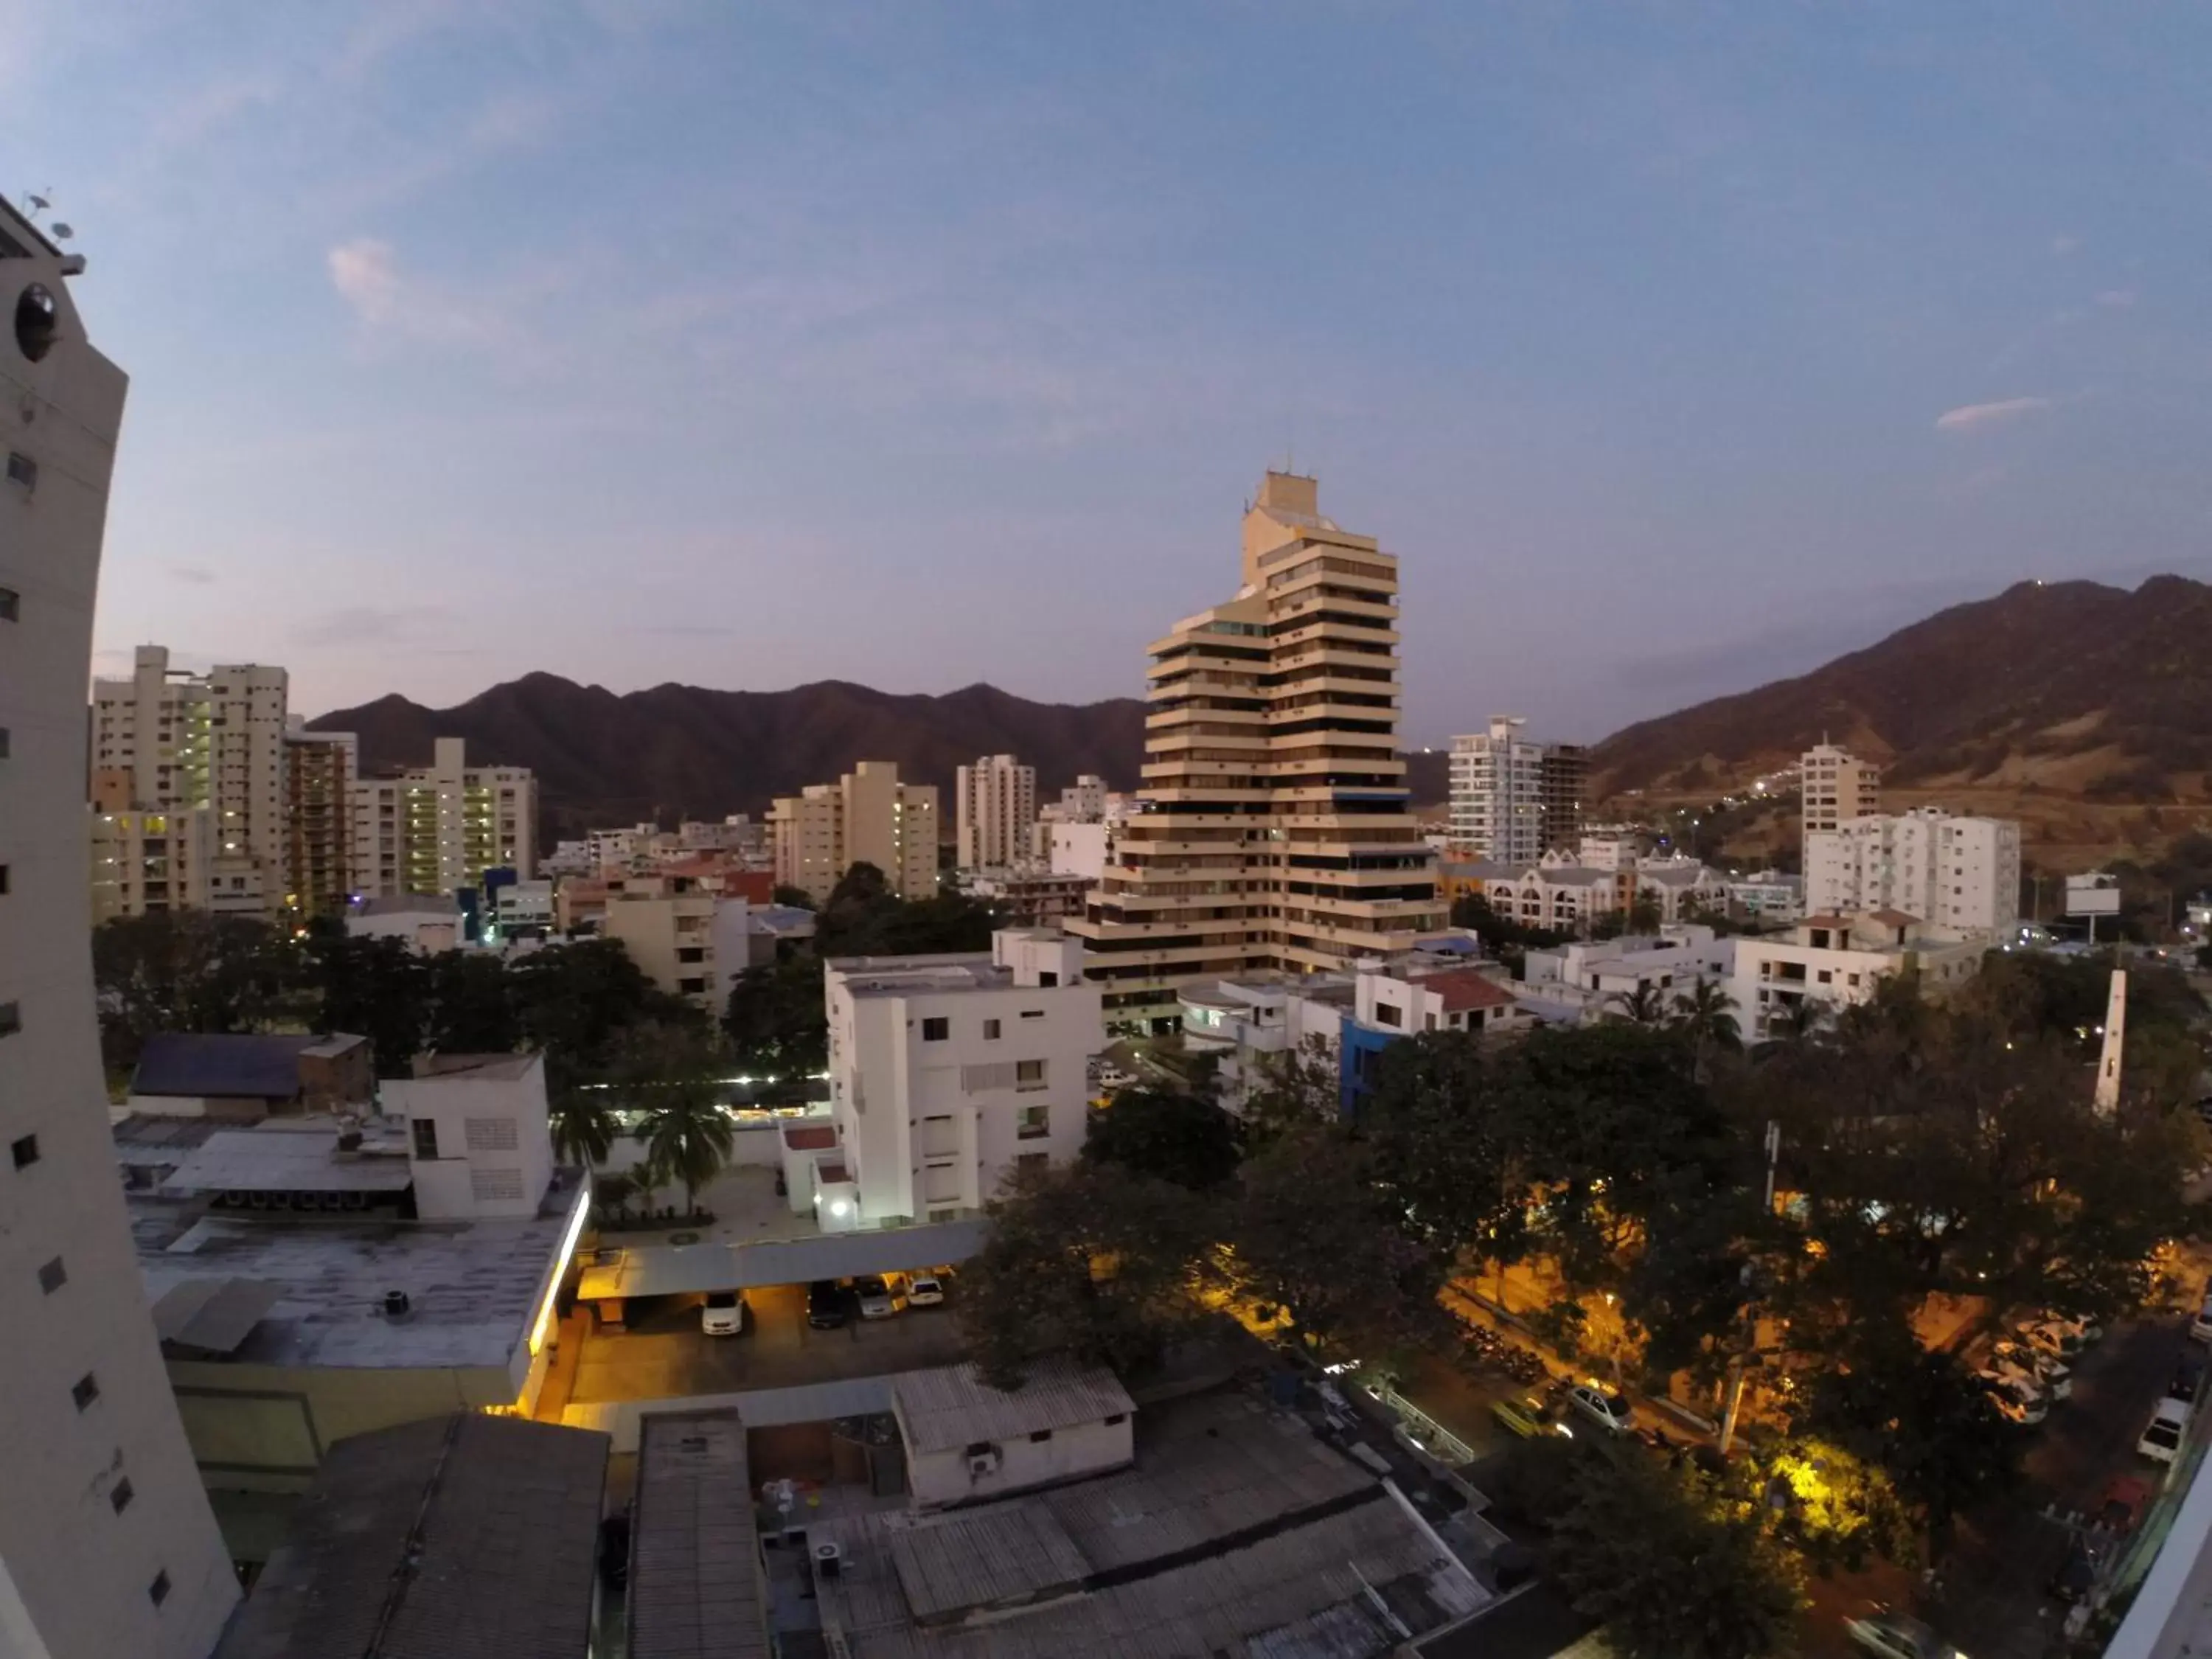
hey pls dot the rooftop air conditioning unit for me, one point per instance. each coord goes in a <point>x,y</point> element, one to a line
<point>982,1464</point>
<point>828,1560</point>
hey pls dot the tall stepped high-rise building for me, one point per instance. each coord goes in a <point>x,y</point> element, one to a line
<point>108,1546</point>
<point>1277,832</point>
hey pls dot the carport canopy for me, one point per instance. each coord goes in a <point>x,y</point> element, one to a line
<point>682,1269</point>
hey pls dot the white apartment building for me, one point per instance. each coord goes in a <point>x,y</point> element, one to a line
<point>1835,786</point>
<point>167,740</point>
<point>436,829</point>
<point>949,1072</point>
<point>994,805</point>
<point>867,816</point>
<point>1836,961</point>
<point>144,863</point>
<point>1497,794</point>
<point>1767,895</point>
<point>692,945</point>
<point>108,1546</point>
<point>479,1142</point>
<point>1083,801</point>
<point>1960,873</point>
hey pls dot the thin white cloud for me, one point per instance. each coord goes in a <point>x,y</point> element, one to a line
<point>389,301</point>
<point>1970,417</point>
<point>2062,246</point>
<point>366,277</point>
<point>2117,298</point>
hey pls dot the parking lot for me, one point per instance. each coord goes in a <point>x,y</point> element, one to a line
<point>665,1355</point>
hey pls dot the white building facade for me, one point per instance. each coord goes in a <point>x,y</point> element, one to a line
<point>1960,873</point>
<point>1835,962</point>
<point>867,817</point>
<point>1834,786</point>
<point>1497,794</point>
<point>949,1072</point>
<point>108,1546</point>
<point>436,829</point>
<point>996,812</point>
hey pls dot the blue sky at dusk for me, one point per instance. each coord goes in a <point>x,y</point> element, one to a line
<point>1671,347</point>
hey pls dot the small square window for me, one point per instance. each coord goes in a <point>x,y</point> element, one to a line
<point>120,1494</point>
<point>1034,1123</point>
<point>1032,1013</point>
<point>1038,1437</point>
<point>1028,1074</point>
<point>158,1590</point>
<point>22,469</point>
<point>25,1151</point>
<point>991,1030</point>
<point>3,743</point>
<point>936,1031</point>
<point>425,1130</point>
<point>11,604</point>
<point>52,1276</point>
<point>1116,1418</point>
<point>85,1390</point>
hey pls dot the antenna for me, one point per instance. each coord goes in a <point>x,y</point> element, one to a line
<point>39,203</point>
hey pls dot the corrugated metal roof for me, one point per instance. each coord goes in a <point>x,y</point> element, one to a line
<point>1002,1556</point>
<point>939,1410</point>
<point>285,1160</point>
<point>713,1265</point>
<point>696,1585</point>
<point>213,1315</point>
<point>460,1537</point>
<point>224,1068</point>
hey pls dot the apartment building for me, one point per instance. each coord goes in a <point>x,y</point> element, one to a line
<point>692,944</point>
<point>108,1545</point>
<point>1834,786</point>
<point>1834,962</point>
<point>1277,833</point>
<point>437,829</point>
<point>995,813</point>
<point>320,769</point>
<point>166,740</point>
<point>1512,799</point>
<point>144,863</point>
<point>1960,873</point>
<point>948,1072</point>
<point>867,816</point>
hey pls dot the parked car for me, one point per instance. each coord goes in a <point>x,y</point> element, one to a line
<point>879,1296</point>
<point>2200,1328</point>
<point>1607,1411</point>
<point>2188,1374</point>
<point>723,1314</point>
<point>2051,1337</point>
<point>2161,1437</point>
<point>1898,1636</point>
<point>2123,1503</point>
<point>927,1288</point>
<point>826,1308</point>
<point>2015,1400</point>
<point>2075,1575</point>
<point>1527,1414</point>
<point>2082,1326</point>
<point>2046,1372</point>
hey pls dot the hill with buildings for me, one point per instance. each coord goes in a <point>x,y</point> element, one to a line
<point>684,751</point>
<point>2072,689</point>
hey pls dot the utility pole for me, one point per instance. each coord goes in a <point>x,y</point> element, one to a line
<point>1741,1362</point>
<point>2108,1061</point>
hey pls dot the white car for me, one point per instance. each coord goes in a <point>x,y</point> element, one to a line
<point>2015,1402</point>
<point>2065,1341</point>
<point>880,1296</point>
<point>926,1290</point>
<point>1607,1411</point>
<point>2161,1437</point>
<point>2046,1371</point>
<point>1898,1638</point>
<point>723,1314</point>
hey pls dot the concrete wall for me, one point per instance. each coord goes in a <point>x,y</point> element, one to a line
<point>940,1478</point>
<point>495,1147</point>
<point>82,1571</point>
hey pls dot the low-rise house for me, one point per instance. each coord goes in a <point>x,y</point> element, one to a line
<point>966,1441</point>
<point>1834,962</point>
<point>250,1076</point>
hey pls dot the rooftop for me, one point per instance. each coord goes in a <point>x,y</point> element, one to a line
<point>901,976</point>
<point>939,1410</point>
<point>472,1289</point>
<point>225,1067</point>
<point>287,1159</point>
<point>459,1537</point>
<point>505,1068</point>
<point>1464,988</point>
<point>1237,1532</point>
<point>694,1585</point>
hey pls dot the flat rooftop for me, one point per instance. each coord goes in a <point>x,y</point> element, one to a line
<point>912,976</point>
<point>695,1587</point>
<point>473,1288</point>
<point>1237,1532</point>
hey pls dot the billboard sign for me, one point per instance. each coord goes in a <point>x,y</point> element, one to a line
<point>2093,895</point>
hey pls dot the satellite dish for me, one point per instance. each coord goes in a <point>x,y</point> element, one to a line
<point>59,232</point>
<point>39,203</point>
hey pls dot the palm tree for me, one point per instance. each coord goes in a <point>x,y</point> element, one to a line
<point>584,1125</point>
<point>1645,1006</point>
<point>1705,1014</point>
<point>1796,1021</point>
<point>688,1135</point>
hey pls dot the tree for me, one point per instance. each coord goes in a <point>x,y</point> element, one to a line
<point>797,898</point>
<point>1645,1006</point>
<point>376,987</point>
<point>1314,1233</point>
<point>1671,1573</point>
<point>1173,1137</point>
<point>1798,1020</point>
<point>584,1125</point>
<point>188,970</point>
<point>1298,1087</point>
<point>470,1011</point>
<point>776,1021</point>
<point>688,1135</point>
<point>573,1001</point>
<point>1090,1262</point>
<point>1705,1016</point>
<point>1433,1119</point>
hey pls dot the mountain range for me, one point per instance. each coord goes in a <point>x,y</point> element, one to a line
<point>2074,696</point>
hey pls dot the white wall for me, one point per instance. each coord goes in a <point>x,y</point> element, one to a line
<point>495,1148</point>
<point>940,1478</point>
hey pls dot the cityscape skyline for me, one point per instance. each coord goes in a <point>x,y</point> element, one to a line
<point>1688,318</point>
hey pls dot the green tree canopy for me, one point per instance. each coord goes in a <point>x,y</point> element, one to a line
<point>189,971</point>
<point>1175,1138</point>
<point>472,1010</point>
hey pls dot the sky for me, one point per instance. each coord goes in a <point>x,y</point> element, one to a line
<point>1673,347</point>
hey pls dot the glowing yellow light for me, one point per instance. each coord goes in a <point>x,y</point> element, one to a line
<point>561,1269</point>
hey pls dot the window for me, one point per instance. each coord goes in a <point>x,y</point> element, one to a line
<point>52,1276</point>
<point>1048,977</point>
<point>1032,1013</point>
<point>936,1031</point>
<point>489,1135</point>
<point>990,1030</point>
<point>85,1390</point>
<point>1385,1014</point>
<point>3,743</point>
<point>1038,1437</point>
<point>981,1448</point>
<point>158,1590</point>
<point>120,1494</point>
<point>425,1130</point>
<point>22,469</point>
<point>1034,1123</point>
<point>1116,1418</point>
<point>25,1151</point>
<point>1827,976</point>
<point>11,604</point>
<point>1028,1074</point>
<point>951,1214</point>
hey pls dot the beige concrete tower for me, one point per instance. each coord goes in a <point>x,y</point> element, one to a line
<point>1277,833</point>
<point>108,1546</point>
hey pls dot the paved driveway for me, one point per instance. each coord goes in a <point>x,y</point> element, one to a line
<point>665,1355</point>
